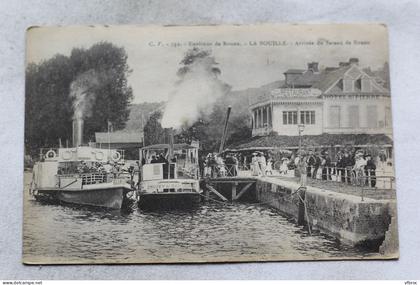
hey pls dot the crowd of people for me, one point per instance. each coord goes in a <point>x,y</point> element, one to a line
<point>95,172</point>
<point>345,166</point>
<point>214,165</point>
<point>349,166</point>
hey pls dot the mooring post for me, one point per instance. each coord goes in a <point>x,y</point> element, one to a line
<point>234,186</point>
<point>301,207</point>
<point>206,194</point>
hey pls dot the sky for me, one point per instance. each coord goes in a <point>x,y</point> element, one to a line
<point>248,56</point>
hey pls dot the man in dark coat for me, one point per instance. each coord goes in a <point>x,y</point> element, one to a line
<point>347,163</point>
<point>201,163</point>
<point>310,163</point>
<point>317,164</point>
<point>326,166</point>
<point>370,170</point>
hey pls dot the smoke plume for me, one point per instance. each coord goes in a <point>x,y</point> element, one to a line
<point>194,94</point>
<point>82,90</point>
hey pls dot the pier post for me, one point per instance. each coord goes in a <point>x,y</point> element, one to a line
<point>206,192</point>
<point>234,186</point>
<point>206,195</point>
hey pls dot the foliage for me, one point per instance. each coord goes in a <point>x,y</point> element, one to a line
<point>194,55</point>
<point>139,115</point>
<point>48,105</point>
<point>209,129</point>
<point>153,131</point>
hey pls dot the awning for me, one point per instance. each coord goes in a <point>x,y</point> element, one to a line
<point>278,142</point>
<point>166,146</point>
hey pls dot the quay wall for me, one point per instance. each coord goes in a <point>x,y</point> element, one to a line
<point>345,217</point>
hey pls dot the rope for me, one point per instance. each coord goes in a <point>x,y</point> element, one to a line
<point>306,214</point>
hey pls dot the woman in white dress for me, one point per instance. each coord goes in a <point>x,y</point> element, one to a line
<point>255,167</point>
<point>269,168</point>
<point>284,165</point>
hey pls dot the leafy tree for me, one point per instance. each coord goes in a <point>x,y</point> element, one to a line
<point>48,106</point>
<point>113,95</point>
<point>153,131</point>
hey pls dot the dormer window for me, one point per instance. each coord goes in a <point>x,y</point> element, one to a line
<point>366,84</point>
<point>348,84</point>
<point>358,85</point>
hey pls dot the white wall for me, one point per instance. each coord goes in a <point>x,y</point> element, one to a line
<point>292,130</point>
<point>362,104</point>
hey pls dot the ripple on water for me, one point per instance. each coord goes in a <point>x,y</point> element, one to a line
<point>210,232</point>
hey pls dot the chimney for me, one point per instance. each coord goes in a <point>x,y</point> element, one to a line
<point>354,60</point>
<point>77,132</point>
<point>313,66</point>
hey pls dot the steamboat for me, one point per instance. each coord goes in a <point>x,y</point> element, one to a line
<point>82,175</point>
<point>169,176</point>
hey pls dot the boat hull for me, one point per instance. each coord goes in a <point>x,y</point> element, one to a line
<point>114,198</point>
<point>168,200</point>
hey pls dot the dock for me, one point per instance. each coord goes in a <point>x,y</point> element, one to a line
<point>357,218</point>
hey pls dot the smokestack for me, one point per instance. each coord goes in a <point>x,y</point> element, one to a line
<point>77,132</point>
<point>171,144</point>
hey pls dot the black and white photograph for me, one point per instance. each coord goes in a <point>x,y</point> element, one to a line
<point>208,144</point>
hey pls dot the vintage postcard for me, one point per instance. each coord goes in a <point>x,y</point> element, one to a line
<point>208,144</point>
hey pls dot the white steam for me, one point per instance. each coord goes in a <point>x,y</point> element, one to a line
<point>193,95</point>
<point>82,90</point>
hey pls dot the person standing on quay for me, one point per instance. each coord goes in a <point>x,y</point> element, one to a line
<point>347,163</point>
<point>302,167</point>
<point>310,163</point>
<point>370,170</point>
<point>262,163</point>
<point>255,165</point>
<point>326,166</point>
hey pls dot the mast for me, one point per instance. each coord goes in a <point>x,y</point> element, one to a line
<point>222,143</point>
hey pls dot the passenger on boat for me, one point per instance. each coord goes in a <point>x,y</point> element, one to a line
<point>83,167</point>
<point>154,159</point>
<point>107,167</point>
<point>162,159</point>
<point>115,170</point>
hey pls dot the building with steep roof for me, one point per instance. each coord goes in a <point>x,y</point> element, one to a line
<point>335,100</point>
<point>129,142</point>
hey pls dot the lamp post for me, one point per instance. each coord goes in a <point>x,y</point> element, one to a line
<point>301,127</point>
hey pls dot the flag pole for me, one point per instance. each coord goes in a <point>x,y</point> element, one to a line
<point>109,140</point>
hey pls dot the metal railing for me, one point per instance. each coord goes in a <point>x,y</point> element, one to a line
<point>94,178</point>
<point>363,178</point>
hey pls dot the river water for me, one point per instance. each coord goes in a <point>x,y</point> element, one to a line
<point>212,232</point>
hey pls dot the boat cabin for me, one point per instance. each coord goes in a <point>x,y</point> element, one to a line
<point>158,163</point>
<point>71,168</point>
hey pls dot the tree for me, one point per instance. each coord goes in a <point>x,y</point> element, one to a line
<point>113,96</point>
<point>48,105</point>
<point>153,131</point>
